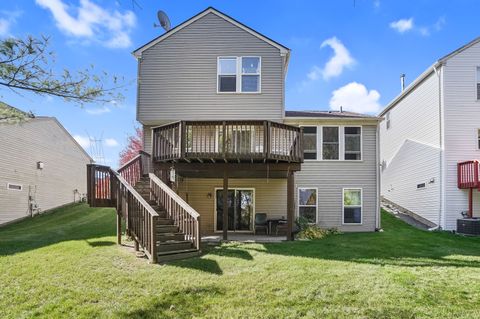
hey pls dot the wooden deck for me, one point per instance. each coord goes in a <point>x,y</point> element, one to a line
<point>227,142</point>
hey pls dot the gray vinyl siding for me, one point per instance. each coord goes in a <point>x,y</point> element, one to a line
<point>462,120</point>
<point>178,76</point>
<point>330,177</point>
<point>410,151</point>
<point>23,145</point>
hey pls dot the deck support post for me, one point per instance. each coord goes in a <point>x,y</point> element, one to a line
<point>119,228</point>
<point>225,205</point>
<point>135,244</point>
<point>470,202</point>
<point>290,203</point>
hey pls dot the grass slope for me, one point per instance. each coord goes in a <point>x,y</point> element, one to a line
<point>67,264</point>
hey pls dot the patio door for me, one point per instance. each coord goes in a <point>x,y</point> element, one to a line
<point>240,209</point>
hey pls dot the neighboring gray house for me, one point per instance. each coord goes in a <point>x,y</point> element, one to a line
<point>429,128</point>
<point>42,167</point>
<point>211,98</point>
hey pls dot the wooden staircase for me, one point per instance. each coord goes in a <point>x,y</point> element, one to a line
<point>159,221</point>
<point>171,243</point>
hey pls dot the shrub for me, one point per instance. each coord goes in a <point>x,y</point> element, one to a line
<point>315,232</point>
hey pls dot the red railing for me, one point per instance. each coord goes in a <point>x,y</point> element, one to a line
<point>137,167</point>
<point>467,174</point>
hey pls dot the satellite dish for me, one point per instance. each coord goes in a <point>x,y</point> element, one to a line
<point>163,20</point>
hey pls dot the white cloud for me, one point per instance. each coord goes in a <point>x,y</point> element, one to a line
<point>355,97</point>
<point>98,111</point>
<point>376,4</point>
<point>7,20</point>
<point>340,60</point>
<point>402,25</point>
<point>84,141</point>
<point>111,142</point>
<point>4,27</point>
<point>92,22</point>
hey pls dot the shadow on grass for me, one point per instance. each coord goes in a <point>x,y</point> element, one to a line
<point>72,222</point>
<point>100,243</point>
<point>399,245</point>
<point>183,303</point>
<point>231,252</point>
<point>202,264</point>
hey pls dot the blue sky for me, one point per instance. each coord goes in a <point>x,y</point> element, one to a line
<point>342,54</point>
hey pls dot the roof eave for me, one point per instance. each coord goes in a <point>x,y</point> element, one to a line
<point>283,49</point>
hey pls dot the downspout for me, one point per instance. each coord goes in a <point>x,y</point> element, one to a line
<point>440,125</point>
<point>377,163</point>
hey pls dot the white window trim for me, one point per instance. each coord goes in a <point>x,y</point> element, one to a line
<point>318,141</point>
<point>477,80</point>
<point>343,206</point>
<point>316,202</point>
<point>361,143</point>
<point>341,148</point>
<point>239,74</point>
<point>13,189</point>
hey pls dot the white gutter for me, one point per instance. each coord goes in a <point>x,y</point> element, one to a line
<point>377,162</point>
<point>441,146</point>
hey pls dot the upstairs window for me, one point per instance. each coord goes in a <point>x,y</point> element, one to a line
<point>478,139</point>
<point>478,82</point>
<point>250,74</point>
<point>310,142</point>
<point>227,74</point>
<point>330,143</point>
<point>239,74</point>
<point>353,143</point>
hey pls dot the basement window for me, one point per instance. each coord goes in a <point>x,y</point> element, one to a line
<point>14,187</point>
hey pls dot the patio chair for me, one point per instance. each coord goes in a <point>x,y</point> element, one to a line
<point>282,227</point>
<point>260,223</point>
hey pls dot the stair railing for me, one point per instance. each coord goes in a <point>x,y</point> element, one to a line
<point>108,188</point>
<point>183,215</point>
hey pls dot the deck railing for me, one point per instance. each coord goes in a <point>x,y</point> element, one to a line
<point>467,174</point>
<point>227,141</point>
<point>107,188</point>
<point>183,215</point>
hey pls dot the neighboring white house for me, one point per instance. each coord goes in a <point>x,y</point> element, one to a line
<point>42,167</point>
<point>430,127</point>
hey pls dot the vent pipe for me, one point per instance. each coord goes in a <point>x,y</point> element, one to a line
<point>402,81</point>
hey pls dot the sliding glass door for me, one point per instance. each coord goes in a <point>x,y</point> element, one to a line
<point>240,209</point>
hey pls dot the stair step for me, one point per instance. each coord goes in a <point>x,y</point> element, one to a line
<point>167,229</point>
<point>170,236</point>
<point>177,254</point>
<point>173,245</point>
<point>164,221</point>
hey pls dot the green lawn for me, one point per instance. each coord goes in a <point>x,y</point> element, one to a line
<point>67,265</point>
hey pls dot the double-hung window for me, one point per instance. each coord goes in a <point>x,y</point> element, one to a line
<point>330,143</point>
<point>310,142</point>
<point>353,143</point>
<point>227,74</point>
<point>352,205</point>
<point>307,204</point>
<point>239,74</point>
<point>478,82</point>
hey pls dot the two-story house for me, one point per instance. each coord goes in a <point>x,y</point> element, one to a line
<point>430,129</point>
<point>211,99</point>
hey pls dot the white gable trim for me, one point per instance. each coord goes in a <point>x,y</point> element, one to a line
<point>138,53</point>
